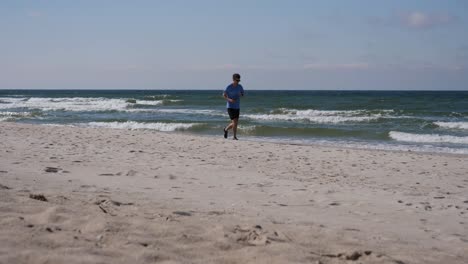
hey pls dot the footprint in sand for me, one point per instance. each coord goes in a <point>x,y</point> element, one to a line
<point>39,197</point>
<point>52,169</point>
<point>4,187</point>
<point>256,236</point>
<point>106,174</point>
<point>131,173</point>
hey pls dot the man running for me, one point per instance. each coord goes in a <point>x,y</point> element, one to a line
<point>232,94</point>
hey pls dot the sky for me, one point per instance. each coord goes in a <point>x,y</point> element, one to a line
<point>273,44</point>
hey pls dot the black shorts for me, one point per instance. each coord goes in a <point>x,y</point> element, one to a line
<point>233,113</point>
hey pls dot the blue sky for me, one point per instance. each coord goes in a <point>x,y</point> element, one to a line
<point>330,44</point>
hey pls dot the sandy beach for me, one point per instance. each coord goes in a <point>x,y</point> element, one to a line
<point>97,195</point>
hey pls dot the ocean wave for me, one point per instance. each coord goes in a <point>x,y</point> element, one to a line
<point>146,102</point>
<point>452,125</point>
<point>323,116</point>
<point>156,97</point>
<point>316,119</point>
<point>10,116</point>
<point>132,125</point>
<point>11,100</point>
<point>191,111</point>
<point>427,138</point>
<point>156,102</point>
<point>79,104</point>
<point>66,103</point>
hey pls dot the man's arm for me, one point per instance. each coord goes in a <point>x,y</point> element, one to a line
<point>228,99</point>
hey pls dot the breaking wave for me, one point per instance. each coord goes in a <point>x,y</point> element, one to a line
<point>427,138</point>
<point>78,104</point>
<point>10,116</point>
<point>322,116</point>
<point>452,125</point>
<point>132,125</point>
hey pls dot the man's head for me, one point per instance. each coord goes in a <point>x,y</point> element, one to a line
<point>236,77</point>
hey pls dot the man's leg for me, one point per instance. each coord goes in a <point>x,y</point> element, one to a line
<point>230,125</point>
<point>234,123</point>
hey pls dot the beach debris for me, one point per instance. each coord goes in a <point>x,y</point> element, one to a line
<point>102,209</point>
<point>51,169</point>
<point>2,171</point>
<point>439,197</point>
<point>334,203</point>
<point>39,197</point>
<point>48,229</point>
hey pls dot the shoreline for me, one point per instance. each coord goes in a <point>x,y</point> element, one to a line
<point>139,195</point>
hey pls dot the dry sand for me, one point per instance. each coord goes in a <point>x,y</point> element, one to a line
<point>120,196</point>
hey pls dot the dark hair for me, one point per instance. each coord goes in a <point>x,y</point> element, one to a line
<point>236,76</point>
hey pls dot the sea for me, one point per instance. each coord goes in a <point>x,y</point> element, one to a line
<point>420,121</point>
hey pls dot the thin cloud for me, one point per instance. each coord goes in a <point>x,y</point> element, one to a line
<point>420,20</point>
<point>212,67</point>
<point>415,20</point>
<point>339,66</point>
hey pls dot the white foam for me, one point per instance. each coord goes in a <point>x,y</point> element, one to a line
<point>247,129</point>
<point>10,116</point>
<point>160,96</point>
<point>452,125</point>
<point>323,116</point>
<point>427,138</point>
<point>166,127</point>
<point>5,101</point>
<point>67,103</point>
<point>76,103</point>
<point>156,102</point>
<point>16,114</point>
<point>147,102</point>
<point>191,111</point>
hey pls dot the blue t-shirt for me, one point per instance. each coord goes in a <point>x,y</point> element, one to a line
<point>234,93</point>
